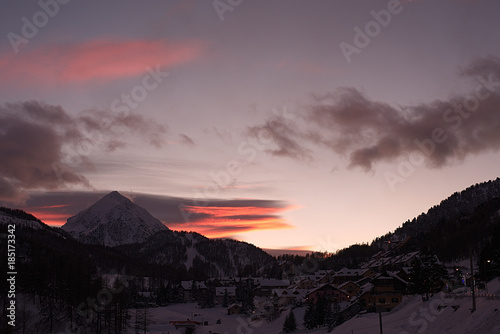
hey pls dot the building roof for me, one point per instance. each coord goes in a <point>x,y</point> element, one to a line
<point>341,286</point>
<point>350,272</point>
<point>384,258</point>
<point>221,290</point>
<point>270,282</point>
<point>297,293</point>
<point>187,285</point>
<point>323,286</point>
<point>233,306</point>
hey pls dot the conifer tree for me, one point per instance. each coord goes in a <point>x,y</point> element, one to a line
<point>290,323</point>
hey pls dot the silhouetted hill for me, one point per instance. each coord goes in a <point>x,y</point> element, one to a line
<point>463,220</point>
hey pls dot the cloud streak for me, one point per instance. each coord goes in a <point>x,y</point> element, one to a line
<point>367,132</point>
<point>100,59</point>
<point>43,148</point>
<point>225,218</point>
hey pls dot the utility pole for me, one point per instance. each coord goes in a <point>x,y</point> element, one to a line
<point>380,320</point>
<point>472,283</point>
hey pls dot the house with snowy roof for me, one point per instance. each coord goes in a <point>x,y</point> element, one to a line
<point>225,292</point>
<point>266,286</point>
<point>190,290</point>
<point>351,288</point>
<point>386,292</point>
<point>353,275</point>
<point>284,297</point>
<point>386,260</point>
<point>304,283</point>
<point>327,291</point>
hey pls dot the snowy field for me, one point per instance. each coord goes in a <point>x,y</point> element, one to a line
<point>230,324</point>
<point>440,314</point>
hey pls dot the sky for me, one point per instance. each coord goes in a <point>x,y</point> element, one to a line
<point>307,125</point>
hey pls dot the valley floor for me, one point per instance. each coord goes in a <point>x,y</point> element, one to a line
<point>441,314</point>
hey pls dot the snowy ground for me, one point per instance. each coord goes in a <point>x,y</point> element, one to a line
<point>230,324</point>
<point>438,315</point>
<point>415,316</point>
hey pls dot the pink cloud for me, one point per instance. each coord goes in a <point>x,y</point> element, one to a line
<point>226,221</point>
<point>104,60</point>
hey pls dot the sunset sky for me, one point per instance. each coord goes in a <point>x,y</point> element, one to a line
<point>287,124</point>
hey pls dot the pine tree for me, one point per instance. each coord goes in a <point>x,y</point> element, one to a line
<point>427,276</point>
<point>290,323</point>
<point>309,317</point>
<point>321,311</point>
<point>142,320</point>
<point>225,302</point>
<point>330,317</point>
<point>194,291</point>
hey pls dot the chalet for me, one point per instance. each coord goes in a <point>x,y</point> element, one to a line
<point>191,288</point>
<point>305,283</point>
<point>234,309</point>
<point>225,292</point>
<point>404,273</point>
<point>328,291</point>
<point>387,293</point>
<point>351,288</point>
<point>322,276</point>
<point>284,297</point>
<point>266,286</point>
<point>346,275</point>
<point>387,261</point>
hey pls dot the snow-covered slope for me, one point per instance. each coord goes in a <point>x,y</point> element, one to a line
<point>441,314</point>
<point>6,218</point>
<point>113,220</point>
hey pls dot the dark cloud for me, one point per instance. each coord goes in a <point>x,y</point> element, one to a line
<point>368,132</point>
<point>43,148</point>
<point>234,203</point>
<point>185,139</point>
<point>281,138</point>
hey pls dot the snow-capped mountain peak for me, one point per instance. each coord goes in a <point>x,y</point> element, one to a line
<point>113,220</point>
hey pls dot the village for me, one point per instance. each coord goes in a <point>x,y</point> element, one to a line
<point>378,285</point>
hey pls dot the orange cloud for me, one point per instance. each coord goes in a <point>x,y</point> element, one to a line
<point>226,211</point>
<point>214,228</point>
<point>226,221</point>
<point>104,60</point>
<point>53,215</point>
<point>50,218</point>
